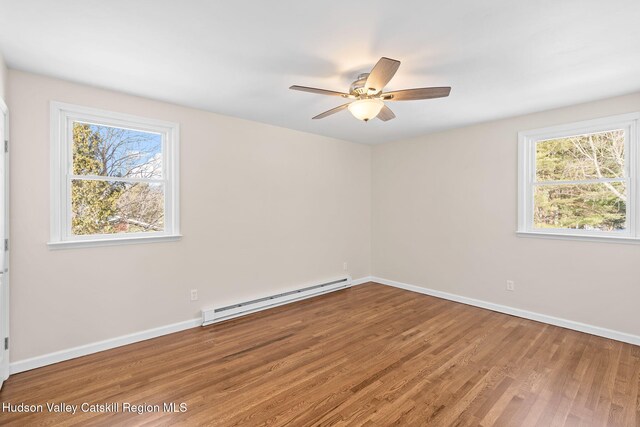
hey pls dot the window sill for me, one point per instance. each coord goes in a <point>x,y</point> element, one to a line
<point>579,237</point>
<point>73,244</point>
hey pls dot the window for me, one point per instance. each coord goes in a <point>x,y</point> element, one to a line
<point>113,178</point>
<point>580,180</point>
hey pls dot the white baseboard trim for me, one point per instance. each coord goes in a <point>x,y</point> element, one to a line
<point>360,281</point>
<point>83,350</point>
<point>544,318</point>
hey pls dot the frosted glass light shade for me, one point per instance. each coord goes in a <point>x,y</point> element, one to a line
<point>366,109</point>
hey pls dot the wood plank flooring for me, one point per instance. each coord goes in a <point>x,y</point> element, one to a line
<point>368,356</point>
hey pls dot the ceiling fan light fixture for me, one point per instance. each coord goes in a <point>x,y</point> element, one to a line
<point>366,109</point>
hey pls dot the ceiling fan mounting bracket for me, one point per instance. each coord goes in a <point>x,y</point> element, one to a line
<point>357,88</point>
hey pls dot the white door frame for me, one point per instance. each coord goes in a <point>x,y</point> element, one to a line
<point>4,253</point>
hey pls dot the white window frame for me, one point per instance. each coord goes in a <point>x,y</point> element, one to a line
<point>62,117</point>
<point>527,174</point>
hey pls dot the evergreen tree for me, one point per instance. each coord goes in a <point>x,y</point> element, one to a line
<point>93,203</point>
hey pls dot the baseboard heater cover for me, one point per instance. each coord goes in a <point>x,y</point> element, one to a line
<point>214,315</point>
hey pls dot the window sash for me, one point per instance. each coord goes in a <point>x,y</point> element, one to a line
<point>73,236</point>
<point>580,181</point>
<point>69,127</point>
<point>627,222</point>
<point>116,178</point>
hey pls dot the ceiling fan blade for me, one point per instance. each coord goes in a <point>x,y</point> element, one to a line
<point>386,114</point>
<point>415,94</point>
<point>332,111</point>
<point>319,91</point>
<point>381,74</point>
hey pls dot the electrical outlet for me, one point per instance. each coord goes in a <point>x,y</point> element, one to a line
<point>345,267</point>
<point>194,295</point>
<point>511,286</point>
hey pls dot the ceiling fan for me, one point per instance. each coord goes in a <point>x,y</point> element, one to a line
<point>366,91</point>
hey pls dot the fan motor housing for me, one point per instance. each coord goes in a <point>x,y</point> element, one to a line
<point>357,87</point>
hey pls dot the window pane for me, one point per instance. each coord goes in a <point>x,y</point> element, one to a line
<point>108,207</point>
<point>590,156</point>
<point>585,207</point>
<point>111,151</point>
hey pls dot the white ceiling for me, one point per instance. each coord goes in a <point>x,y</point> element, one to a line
<point>502,57</point>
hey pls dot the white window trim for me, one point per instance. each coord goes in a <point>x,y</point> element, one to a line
<point>526,176</point>
<point>62,115</point>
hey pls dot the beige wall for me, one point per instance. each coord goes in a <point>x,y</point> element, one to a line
<point>444,217</point>
<point>262,209</point>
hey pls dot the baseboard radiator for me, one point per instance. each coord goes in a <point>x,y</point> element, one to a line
<point>219,314</point>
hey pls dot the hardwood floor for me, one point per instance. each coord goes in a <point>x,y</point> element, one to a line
<point>371,355</point>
